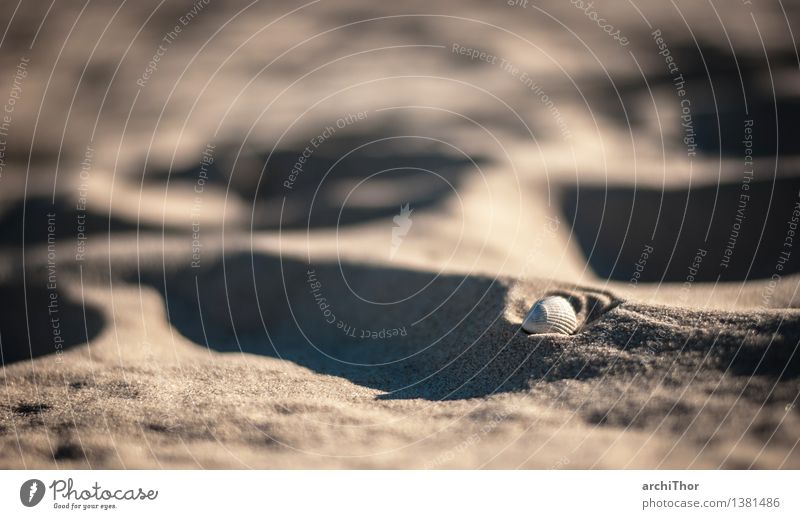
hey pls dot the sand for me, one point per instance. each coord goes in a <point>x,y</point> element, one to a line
<point>206,264</point>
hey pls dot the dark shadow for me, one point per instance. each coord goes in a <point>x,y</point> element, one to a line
<point>719,114</point>
<point>53,323</point>
<point>746,345</point>
<point>42,219</point>
<point>456,352</point>
<point>347,178</point>
<point>658,235</point>
<point>720,99</point>
<point>466,347</point>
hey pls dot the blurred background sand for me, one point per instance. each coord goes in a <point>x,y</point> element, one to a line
<point>205,261</point>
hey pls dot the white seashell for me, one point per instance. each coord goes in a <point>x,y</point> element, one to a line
<point>552,314</point>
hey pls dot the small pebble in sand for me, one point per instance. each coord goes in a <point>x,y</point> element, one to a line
<point>553,314</point>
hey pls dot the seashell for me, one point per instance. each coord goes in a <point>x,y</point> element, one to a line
<point>551,314</point>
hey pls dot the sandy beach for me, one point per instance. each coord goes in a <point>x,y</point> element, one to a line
<point>286,235</point>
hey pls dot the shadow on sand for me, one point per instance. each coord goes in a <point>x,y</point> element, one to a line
<point>345,179</point>
<point>418,335</point>
<point>52,323</point>
<point>666,231</point>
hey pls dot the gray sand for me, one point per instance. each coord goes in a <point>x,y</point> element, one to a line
<point>195,328</point>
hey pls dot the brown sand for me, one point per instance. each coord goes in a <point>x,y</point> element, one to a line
<point>225,356</point>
